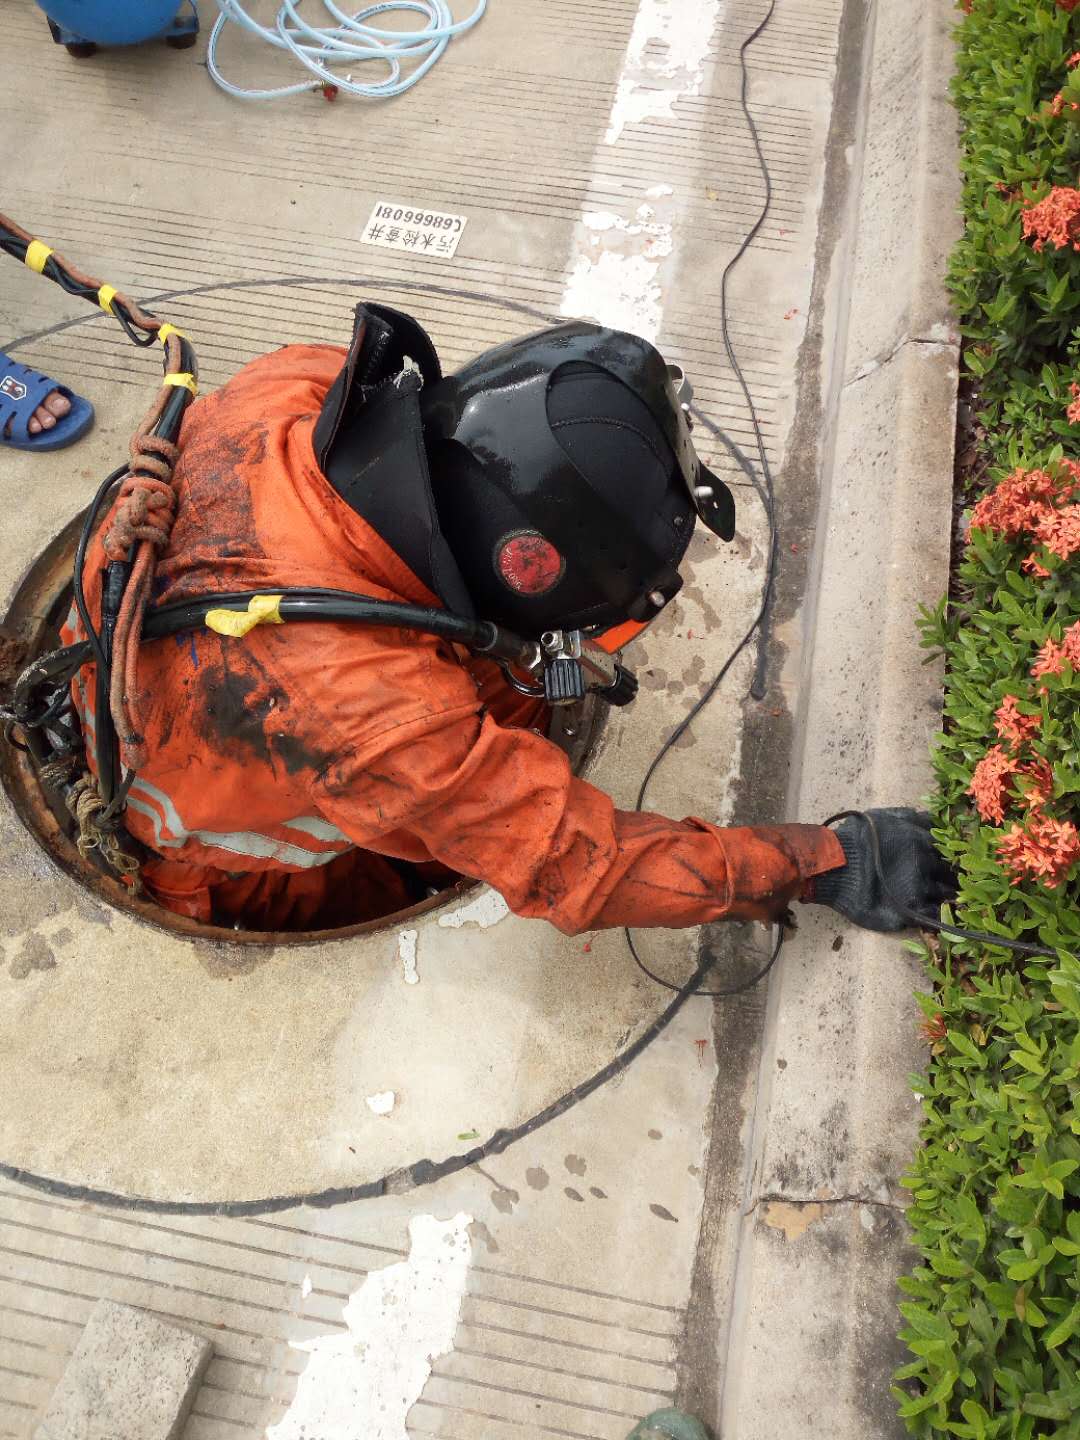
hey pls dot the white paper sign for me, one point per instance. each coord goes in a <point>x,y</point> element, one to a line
<point>410,227</point>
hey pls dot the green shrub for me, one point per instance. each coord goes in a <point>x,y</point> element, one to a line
<point>992,1312</point>
<point>1019,309</point>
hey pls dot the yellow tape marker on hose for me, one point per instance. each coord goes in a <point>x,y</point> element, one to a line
<point>262,610</point>
<point>186,379</point>
<point>37,252</point>
<point>105,296</point>
<point>166,330</point>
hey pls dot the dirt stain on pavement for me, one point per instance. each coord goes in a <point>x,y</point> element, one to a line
<point>224,962</point>
<point>478,1231</point>
<point>504,1200</point>
<point>36,954</point>
<point>793,1220</point>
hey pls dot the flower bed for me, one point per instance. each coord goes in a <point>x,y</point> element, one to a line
<point>992,1309</point>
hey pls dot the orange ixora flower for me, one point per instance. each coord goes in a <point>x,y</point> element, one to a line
<point>1055,218</point>
<point>1041,786</point>
<point>1047,850</point>
<point>1052,656</point>
<point>1068,4</point>
<point>1025,498</point>
<point>1011,725</point>
<point>1049,661</point>
<point>1059,531</point>
<point>1073,60</point>
<point>989,783</point>
<point>1072,414</point>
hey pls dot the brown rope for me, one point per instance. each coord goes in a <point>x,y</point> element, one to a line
<point>85,806</point>
<point>141,522</point>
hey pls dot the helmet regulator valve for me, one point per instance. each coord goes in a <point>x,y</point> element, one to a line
<point>574,666</point>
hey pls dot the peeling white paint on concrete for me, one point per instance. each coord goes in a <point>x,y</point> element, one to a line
<point>407,955</point>
<point>665,60</point>
<point>382,1102</point>
<point>305,1287</point>
<point>487,909</point>
<point>616,280</point>
<point>616,290</point>
<point>362,1385</point>
<point>613,276</point>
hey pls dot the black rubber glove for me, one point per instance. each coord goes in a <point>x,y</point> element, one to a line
<point>914,872</point>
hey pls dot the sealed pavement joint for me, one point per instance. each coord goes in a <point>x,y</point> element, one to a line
<point>132,1377</point>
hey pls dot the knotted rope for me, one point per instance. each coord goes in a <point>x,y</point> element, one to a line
<point>139,527</point>
<point>85,805</point>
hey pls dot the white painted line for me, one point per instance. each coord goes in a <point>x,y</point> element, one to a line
<point>362,1385</point>
<point>665,59</point>
<point>614,274</point>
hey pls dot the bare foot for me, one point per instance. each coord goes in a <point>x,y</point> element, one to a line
<point>54,407</point>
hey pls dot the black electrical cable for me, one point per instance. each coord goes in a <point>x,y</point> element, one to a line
<point>80,561</point>
<point>710,960</point>
<point>764,488</point>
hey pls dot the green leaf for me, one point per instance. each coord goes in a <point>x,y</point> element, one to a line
<point>941,1391</point>
<point>961,1042</point>
<point>1025,1270</point>
<point>1060,1333</point>
<point>933,1327</point>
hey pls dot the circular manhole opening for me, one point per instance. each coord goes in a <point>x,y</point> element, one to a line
<point>31,628</point>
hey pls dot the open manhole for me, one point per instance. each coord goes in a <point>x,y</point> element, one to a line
<point>164,1065</point>
<point>32,628</point>
<point>155,1063</point>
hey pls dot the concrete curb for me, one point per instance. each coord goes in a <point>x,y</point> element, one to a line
<point>811,1334</point>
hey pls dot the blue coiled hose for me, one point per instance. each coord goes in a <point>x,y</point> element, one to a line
<point>351,41</point>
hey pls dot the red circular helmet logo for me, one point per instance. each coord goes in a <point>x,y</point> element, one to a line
<point>528,563</point>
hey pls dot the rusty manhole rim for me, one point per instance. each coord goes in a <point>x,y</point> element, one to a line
<point>40,599</point>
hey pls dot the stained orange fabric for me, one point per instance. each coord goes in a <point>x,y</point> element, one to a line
<point>281,750</point>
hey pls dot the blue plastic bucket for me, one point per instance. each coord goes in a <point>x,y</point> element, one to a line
<point>112,22</point>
